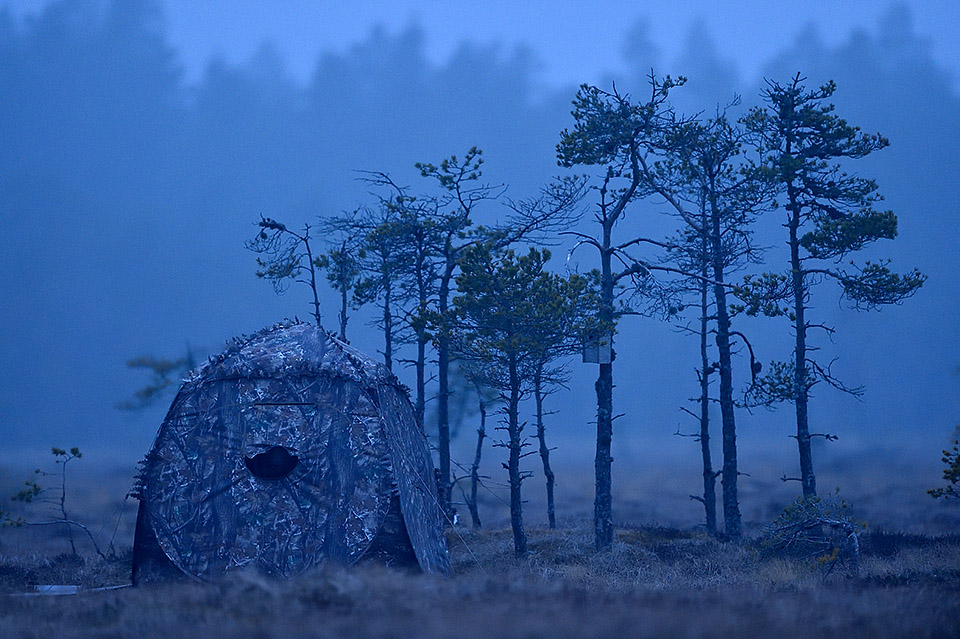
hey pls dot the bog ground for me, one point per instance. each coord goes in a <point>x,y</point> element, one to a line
<point>659,581</point>
<point>656,582</point>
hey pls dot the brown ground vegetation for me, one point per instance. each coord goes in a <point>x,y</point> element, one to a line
<point>658,581</point>
<point>655,583</point>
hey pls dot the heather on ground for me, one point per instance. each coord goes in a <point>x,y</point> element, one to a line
<point>653,583</point>
<point>656,581</point>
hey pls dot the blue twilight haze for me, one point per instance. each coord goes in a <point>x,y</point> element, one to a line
<point>141,139</point>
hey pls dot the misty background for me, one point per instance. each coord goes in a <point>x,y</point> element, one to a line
<point>141,140</point>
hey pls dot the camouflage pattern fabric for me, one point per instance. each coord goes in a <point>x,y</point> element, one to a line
<point>351,429</point>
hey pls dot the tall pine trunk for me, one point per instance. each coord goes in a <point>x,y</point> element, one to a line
<point>443,379</point>
<point>731,506</point>
<point>475,467</point>
<point>709,476</point>
<point>343,316</point>
<point>544,449</point>
<point>800,391</point>
<point>421,277</point>
<point>514,431</point>
<point>602,506</point>
<point>387,327</point>
<point>421,366</point>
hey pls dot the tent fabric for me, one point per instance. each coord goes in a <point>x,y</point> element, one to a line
<point>350,447</point>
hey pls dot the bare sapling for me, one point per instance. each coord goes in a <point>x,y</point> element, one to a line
<point>54,497</point>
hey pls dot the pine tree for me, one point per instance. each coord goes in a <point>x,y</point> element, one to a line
<point>342,264</point>
<point>616,135</point>
<point>288,257</point>
<point>717,196</point>
<point>951,474</point>
<point>498,333</point>
<point>830,214</point>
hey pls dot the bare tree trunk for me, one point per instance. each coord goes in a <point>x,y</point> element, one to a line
<point>801,395</point>
<point>344,292</point>
<point>63,507</point>
<point>731,506</point>
<point>602,507</point>
<point>544,449</point>
<point>709,476</point>
<point>514,430</point>
<point>443,423</point>
<point>387,328</point>
<point>313,274</point>
<point>421,366</point>
<point>443,379</point>
<point>418,320</point>
<point>475,468</point>
<point>343,317</point>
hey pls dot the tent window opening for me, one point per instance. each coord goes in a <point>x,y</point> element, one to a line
<point>275,463</point>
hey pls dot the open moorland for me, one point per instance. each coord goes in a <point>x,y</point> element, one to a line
<point>655,583</point>
<point>658,581</point>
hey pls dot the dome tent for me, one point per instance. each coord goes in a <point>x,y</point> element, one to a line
<point>287,450</point>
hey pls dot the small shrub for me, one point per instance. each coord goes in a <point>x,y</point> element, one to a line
<point>816,528</point>
<point>951,474</point>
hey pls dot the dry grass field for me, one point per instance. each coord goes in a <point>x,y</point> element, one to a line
<point>664,578</point>
<point>655,583</point>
